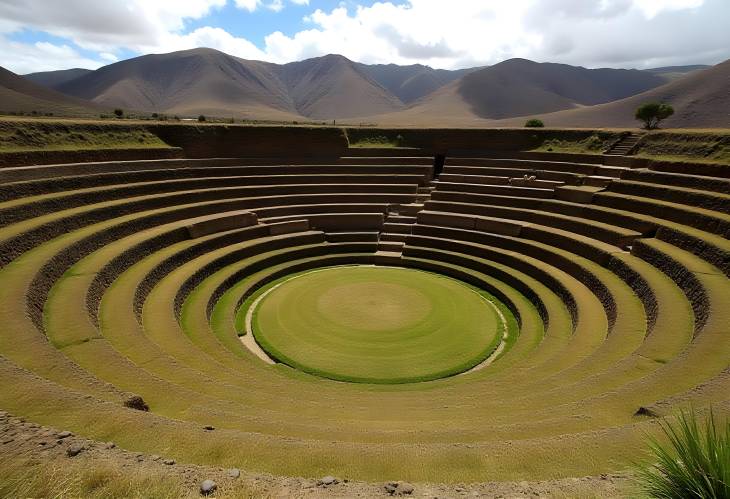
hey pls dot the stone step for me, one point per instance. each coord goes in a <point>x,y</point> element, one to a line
<point>392,246</point>
<point>401,219</point>
<point>410,209</point>
<point>397,228</point>
<point>393,237</point>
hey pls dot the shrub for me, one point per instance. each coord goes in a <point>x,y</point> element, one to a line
<point>694,463</point>
<point>201,118</point>
<point>118,113</point>
<point>653,113</point>
<point>534,123</point>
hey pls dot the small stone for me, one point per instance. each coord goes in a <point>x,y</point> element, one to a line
<point>391,487</point>
<point>155,457</point>
<point>209,428</point>
<point>110,445</point>
<point>208,487</point>
<point>168,462</point>
<point>64,434</point>
<point>327,481</point>
<point>404,489</point>
<point>74,450</point>
<point>136,402</point>
<point>234,473</point>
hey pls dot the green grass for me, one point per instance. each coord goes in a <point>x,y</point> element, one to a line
<point>376,325</point>
<point>699,146</point>
<point>101,478</point>
<point>693,463</point>
<point>53,136</point>
<point>594,144</point>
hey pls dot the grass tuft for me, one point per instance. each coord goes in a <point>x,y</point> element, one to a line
<point>693,463</point>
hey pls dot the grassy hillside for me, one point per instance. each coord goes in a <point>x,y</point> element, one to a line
<point>17,136</point>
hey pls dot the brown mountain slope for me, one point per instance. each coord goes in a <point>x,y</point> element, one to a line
<point>410,83</point>
<point>518,87</point>
<point>18,94</point>
<point>701,99</point>
<point>54,79</point>
<point>334,87</point>
<point>191,82</point>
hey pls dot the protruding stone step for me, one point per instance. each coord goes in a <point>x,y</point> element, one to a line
<point>401,219</point>
<point>597,181</point>
<point>577,194</point>
<point>390,236</point>
<point>346,237</point>
<point>410,209</point>
<point>392,246</point>
<point>397,228</point>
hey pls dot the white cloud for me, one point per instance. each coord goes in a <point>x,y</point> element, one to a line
<point>249,5</point>
<point>23,58</point>
<point>458,33</point>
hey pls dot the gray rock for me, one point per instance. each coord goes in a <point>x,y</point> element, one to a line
<point>168,462</point>
<point>155,457</point>
<point>208,487</point>
<point>136,402</point>
<point>234,473</point>
<point>209,428</point>
<point>64,434</point>
<point>399,488</point>
<point>74,450</point>
<point>404,489</point>
<point>110,445</point>
<point>327,481</point>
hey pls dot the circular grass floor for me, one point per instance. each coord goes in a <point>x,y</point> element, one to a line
<point>377,324</point>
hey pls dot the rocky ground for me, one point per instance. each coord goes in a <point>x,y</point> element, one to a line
<point>27,441</point>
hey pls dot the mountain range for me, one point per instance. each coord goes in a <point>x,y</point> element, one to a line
<point>210,82</point>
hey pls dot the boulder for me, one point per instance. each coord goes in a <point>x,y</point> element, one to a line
<point>136,402</point>
<point>74,450</point>
<point>207,487</point>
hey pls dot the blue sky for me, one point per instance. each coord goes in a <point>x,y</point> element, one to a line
<point>39,35</point>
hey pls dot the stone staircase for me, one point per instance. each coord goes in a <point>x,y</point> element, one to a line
<point>625,145</point>
<point>399,223</point>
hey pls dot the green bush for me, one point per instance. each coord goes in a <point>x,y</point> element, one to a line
<point>201,118</point>
<point>118,113</point>
<point>653,113</point>
<point>695,463</point>
<point>534,123</point>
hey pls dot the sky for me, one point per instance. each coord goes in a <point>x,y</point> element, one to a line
<point>45,35</point>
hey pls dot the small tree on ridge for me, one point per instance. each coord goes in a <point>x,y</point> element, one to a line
<point>652,113</point>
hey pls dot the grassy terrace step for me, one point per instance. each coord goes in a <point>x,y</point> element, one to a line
<point>495,189</point>
<point>581,245</point>
<point>714,201</point>
<point>184,177</point>
<point>494,172</point>
<point>714,248</point>
<point>21,236</point>
<point>699,218</point>
<point>80,169</point>
<point>559,166</point>
<point>610,234</point>
<point>721,185</point>
<point>22,209</point>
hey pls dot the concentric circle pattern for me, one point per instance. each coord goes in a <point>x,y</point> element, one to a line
<point>136,278</point>
<point>377,324</point>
